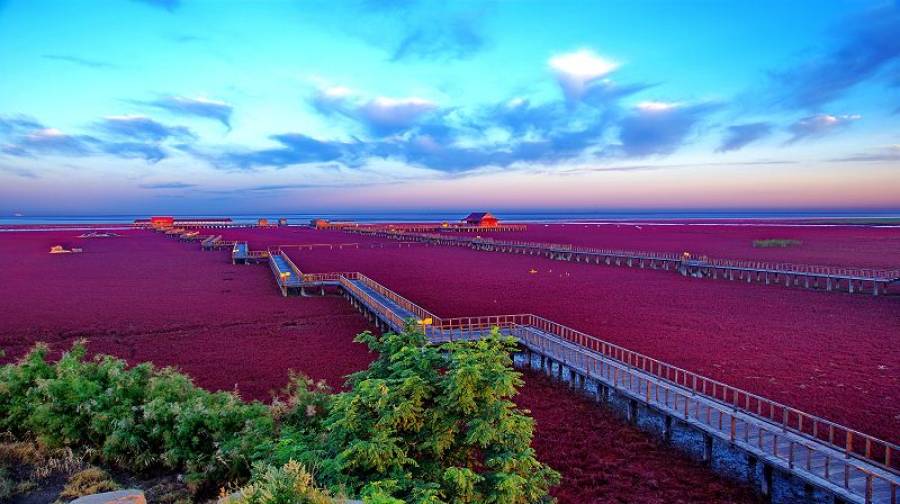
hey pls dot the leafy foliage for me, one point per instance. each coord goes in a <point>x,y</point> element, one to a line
<point>422,424</point>
<point>434,424</point>
<point>135,418</point>
<point>288,484</point>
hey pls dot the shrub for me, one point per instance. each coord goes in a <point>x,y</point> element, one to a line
<point>88,482</point>
<point>135,418</point>
<point>289,484</point>
<point>421,424</point>
<point>776,243</point>
<point>434,424</point>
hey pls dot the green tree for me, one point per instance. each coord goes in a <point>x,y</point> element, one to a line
<point>432,424</point>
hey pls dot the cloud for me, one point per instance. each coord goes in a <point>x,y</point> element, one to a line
<point>420,30</point>
<point>887,153</point>
<point>19,172</point>
<point>167,185</point>
<point>152,153</point>
<point>295,148</point>
<point>143,128</point>
<point>53,142</point>
<point>740,135</point>
<point>819,125</point>
<point>29,138</point>
<point>18,124</point>
<point>659,127</point>
<point>434,145</point>
<point>864,46</point>
<point>380,115</point>
<point>576,70</point>
<point>75,60</point>
<point>195,107</point>
<point>454,38</point>
<point>388,115</point>
<point>169,5</point>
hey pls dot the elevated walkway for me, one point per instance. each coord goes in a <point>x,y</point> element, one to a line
<point>729,427</point>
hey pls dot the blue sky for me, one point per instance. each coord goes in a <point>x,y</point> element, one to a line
<point>192,106</point>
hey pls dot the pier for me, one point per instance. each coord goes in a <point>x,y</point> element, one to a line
<point>789,455</point>
<point>873,281</point>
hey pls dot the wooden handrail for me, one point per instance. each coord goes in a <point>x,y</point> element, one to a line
<point>873,274</point>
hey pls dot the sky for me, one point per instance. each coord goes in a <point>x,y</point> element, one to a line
<point>215,106</point>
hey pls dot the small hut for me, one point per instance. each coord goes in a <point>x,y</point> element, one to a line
<point>161,222</point>
<point>319,223</point>
<point>481,219</point>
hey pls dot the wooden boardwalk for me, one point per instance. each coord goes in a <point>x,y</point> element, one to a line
<point>849,464</point>
<point>830,278</point>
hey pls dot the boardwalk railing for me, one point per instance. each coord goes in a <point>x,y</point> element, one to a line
<point>851,442</point>
<point>294,269</point>
<point>854,273</point>
<point>861,465</point>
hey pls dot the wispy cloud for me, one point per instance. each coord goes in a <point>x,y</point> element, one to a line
<point>455,38</point>
<point>887,153</point>
<point>194,107</point>
<point>819,125</point>
<point>409,31</point>
<point>18,124</point>
<point>49,141</point>
<point>150,152</point>
<point>380,115</point>
<point>863,46</point>
<point>740,135</point>
<point>294,149</point>
<point>143,128</point>
<point>168,5</point>
<point>27,137</point>
<point>168,185</point>
<point>75,60</point>
<point>19,172</point>
<point>658,128</point>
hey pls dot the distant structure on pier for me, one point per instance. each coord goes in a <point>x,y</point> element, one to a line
<point>167,222</point>
<point>481,219</point>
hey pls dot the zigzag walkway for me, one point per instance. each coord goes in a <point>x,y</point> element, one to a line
<point>846,463</point>
<point>795,451</point>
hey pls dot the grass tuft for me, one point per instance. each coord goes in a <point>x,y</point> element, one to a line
<point>88,482</point>
<point>776,243</point>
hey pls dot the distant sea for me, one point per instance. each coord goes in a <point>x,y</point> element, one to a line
<point>543,217</point>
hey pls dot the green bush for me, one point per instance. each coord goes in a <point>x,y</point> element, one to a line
<point>423,423</point>
<point>433,424</point>
<point>289,484</point>
<point>135,418</point>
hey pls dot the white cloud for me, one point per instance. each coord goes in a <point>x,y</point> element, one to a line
<point>820,124</point>
<point>657,106</point>
<point>390,113</point>
<point>576,70</point>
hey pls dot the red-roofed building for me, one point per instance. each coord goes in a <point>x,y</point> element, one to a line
<point>158,222</point>
<point>481,219</point>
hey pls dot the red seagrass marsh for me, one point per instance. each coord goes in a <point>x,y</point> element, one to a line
<point>147,297</point>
